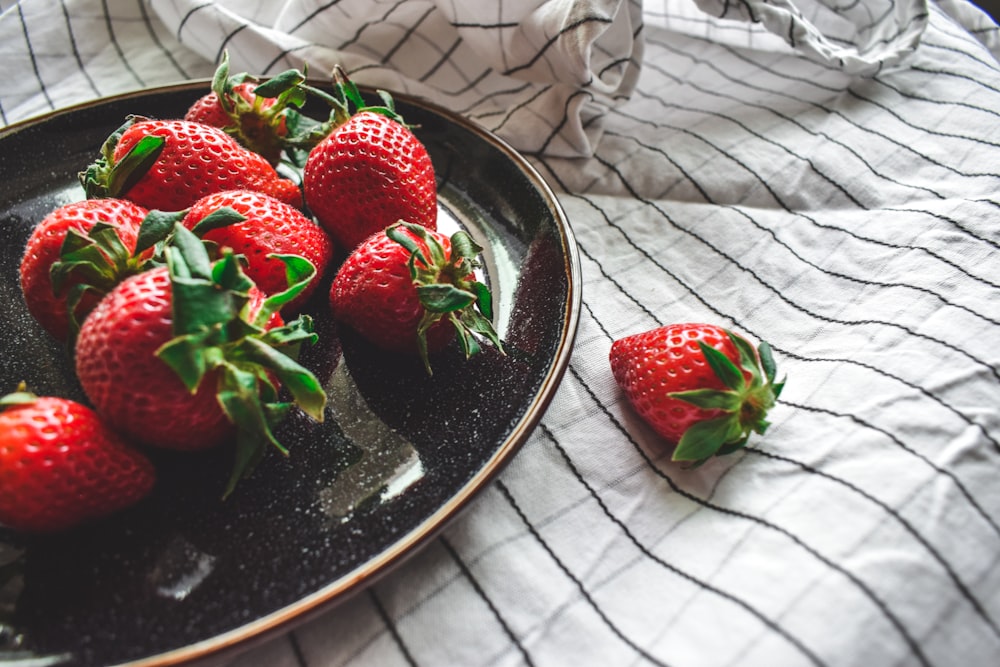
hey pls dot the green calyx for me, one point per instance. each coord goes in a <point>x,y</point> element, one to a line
<point>263,128</point>
<point>290,91</point>
<point>214,333</point>
<point>97,261</point>
<point>106,177</point>
<point>18,397</point>
<point>447,287</point>
<point>744,403</point>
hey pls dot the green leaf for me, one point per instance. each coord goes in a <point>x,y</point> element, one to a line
<point>240,401</point>
<point>484,299</point>
<point>133,166</point>
<point>396,233</point>
<point>291,334</point>
<point>704,439</point>
<point>228,274</point>
<point>156,228</point>
<point>299,272</point>
<point>302,384</point>
<point>190,257</point>
<point>186,356</point>
<point>767,361</point>
<point>710,399</point>
<point>223,216</point>
<point>748,355</point>
<point>444,297</point>
<point>462,245</point>
<point>723,368</point>
<point>280,84</point>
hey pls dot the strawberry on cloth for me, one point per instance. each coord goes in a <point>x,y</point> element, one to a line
<point>699,386</point>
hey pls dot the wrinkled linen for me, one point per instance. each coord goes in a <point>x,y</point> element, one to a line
<point>820,175</point>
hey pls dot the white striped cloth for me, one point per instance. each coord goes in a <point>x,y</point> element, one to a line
<point>823,175</point>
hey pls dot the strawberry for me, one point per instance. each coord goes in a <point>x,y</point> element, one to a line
<point>60,265</point>
<point>171,164</point>
<point>189,355</point>
<point>699,386</point>
<point>270,228</point>
<point>257,122</point>
<point>410,289</point>
<point>61,466</point>
<point>369,172</point>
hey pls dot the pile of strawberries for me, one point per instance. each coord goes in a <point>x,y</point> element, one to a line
<point>183,273</point>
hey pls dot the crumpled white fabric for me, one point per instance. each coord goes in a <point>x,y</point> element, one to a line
<point>537,72</point>
<point>861,38</point>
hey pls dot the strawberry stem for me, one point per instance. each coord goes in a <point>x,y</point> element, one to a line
<point>744,404</point>
<point>215,334</point>
<point>447,287</point>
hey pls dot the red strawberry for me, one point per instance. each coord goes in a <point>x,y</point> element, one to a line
<point>368,173</point>
<point>410,289</point>
<point>97,266</point>
<point>171,164</point>
<point>60,466</point>
<point>258,123</point>
<point>190,356</point>
<point>699,386</point>
<point>270,228</point>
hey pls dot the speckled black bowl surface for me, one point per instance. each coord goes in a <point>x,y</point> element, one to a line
<point>186,577</point>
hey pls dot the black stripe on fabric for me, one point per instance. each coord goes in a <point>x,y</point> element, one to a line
<point>579,584</point>
<point>440,61</point>
<point>227,39</point>
<point>909,450</point>
<point>109,24</point>
<point>865,589</point>
<point>486,26</point>
<point>159,44</point>
<point>31,57</point>
<point>957,225</point>
<point>190,12</point>
<point>780,295</point>
<point>767,186</point>
<point>467,574</point>
<point>948,135</point>
<point>391,627</point>
<point>509,112</point>
<point>756,613</point>
<point>977,313</point>
<point>554,39</point>
<point>76,51</point>
<point>309,17</point>
<point>653,317</point>
<point>790,119</point>
<point>300,657</point>
<point>410,31</point>
<point>558,127</point>
<point>837,90</point>
<point>491,96</point>
<point>950,48</point>
<point>356,38</point>
<point>907,526</point>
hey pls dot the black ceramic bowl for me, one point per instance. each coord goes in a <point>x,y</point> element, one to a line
<point>185,576</point>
